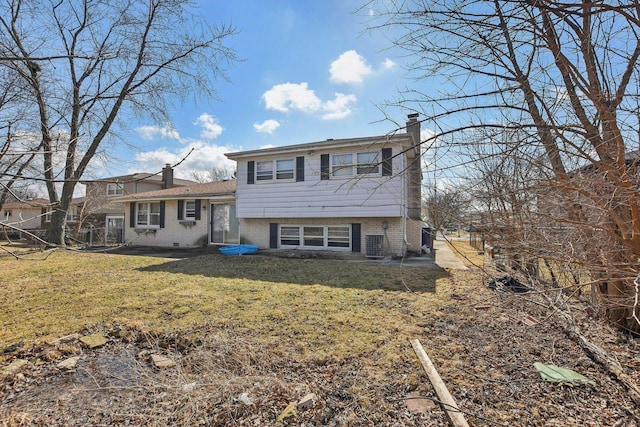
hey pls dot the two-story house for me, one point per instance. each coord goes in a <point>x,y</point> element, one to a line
<point>97,218</point>
<point>361,195</point>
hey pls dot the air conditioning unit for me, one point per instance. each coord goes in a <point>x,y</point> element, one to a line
<point>374,245</point>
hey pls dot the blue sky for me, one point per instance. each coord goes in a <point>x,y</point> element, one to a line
<point>310,71</point>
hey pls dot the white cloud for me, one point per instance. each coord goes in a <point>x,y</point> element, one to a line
<point>339,108</point>
<point>203,158</point>
<point>210,128</point>
<point>151,132</point>
<point>389,64</point>
<point>291,96</point>
<point>268,126</point>
<point>350,67</point>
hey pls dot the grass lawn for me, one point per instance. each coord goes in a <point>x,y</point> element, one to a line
<point>319,307</point>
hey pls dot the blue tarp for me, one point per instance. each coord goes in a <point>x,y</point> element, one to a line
<point>239,249</point>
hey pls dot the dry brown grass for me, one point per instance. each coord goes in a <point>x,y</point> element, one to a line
<point>320,307</point>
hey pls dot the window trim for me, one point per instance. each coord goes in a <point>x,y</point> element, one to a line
<point>148,215</point>
<point>368,166</point>
<point>326,240</point>
<point>354,167</point>
<point>264,175</point>
<point>190,216</point>
<point>278,172</point>
<point>118,189</point>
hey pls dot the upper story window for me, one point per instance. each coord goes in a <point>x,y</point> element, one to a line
<point>368,163</point>
<point>284,169</point>
<point>115,189</point>
<point>190,209</point>
<point>148,214</point>
<point>342,164</point>
<point>264,171</point>
<point>7,214</point>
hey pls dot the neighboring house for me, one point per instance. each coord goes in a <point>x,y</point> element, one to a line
<point>26,215</point>
<point>360,195</point>
<point>97,218</point>
<point>189,216</point>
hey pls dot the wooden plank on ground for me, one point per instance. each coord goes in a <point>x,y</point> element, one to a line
<point>453,412</point>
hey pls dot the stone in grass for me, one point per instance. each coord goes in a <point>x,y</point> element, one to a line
<point>69,363</point>
<point>94,340</point>
<point>160,361</point>
<point>66,339</point>
<point>307,402</point>
<point>13,367</point>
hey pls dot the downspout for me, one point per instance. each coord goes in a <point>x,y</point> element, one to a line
<point>404,207</point>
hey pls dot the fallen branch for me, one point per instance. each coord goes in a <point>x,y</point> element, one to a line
<point>448,402</point>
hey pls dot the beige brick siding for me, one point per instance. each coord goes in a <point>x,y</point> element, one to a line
<point>256,231</point>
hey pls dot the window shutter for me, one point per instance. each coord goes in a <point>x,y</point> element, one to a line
<point>324,166</point>
<point>132,214</point>
<point>251,168</point>
<point>162,213</point>
<point>387,166</point>
<point>180,210</point>
<point>299,168</point>
<point>273,235</point>
<point>198,209</point>
<point>355,237</point>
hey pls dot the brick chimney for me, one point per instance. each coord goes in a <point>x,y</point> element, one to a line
<point>167,176</point>
<point>414,169</point>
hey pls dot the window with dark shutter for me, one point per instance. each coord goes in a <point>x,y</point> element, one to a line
<point>162,203</point>
<point>324,167</point>
<point>198,209</point>
<point>251,171</point>
<point>180,210</point>
<point>273,235</point>
<point>299,168</point>
<point>355,237</point>
<point>387,166</point>
<point>132,214</point>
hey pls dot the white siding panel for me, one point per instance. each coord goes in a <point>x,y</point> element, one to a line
<point>359,196</point>
<point>321,199</point>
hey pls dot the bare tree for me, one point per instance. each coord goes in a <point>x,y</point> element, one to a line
<point>218,173</point>
<point>565,76</point>
<point>445,206</point>
<point>87,63</point>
